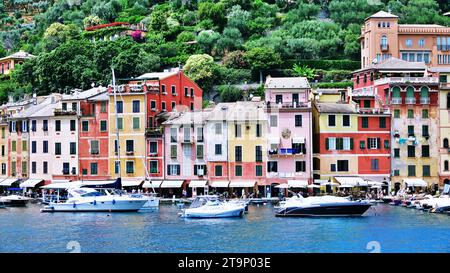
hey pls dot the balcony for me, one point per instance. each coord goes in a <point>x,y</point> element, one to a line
<point>287,105</point>
<point>396,101</point>
<point>136,87</point>
<point>375,111</point>
<point>61,112</point>
<point>410,100</point>
<point>444,85</point>
<point>424,100</point>
<point>408,80</point>
<point>153,132</point>
<point>187,140</point>
<point>287,151</point>
<point>384,47</point>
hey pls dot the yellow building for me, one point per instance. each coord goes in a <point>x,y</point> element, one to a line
<point>131,127</point>
<point>444,128</point>
<point>247,144</point>
<point>3,145</point>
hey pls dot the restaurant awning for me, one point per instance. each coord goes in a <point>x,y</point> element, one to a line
<point>220,184</point>
<point>152,184</point>
<point>197,183</point>
<point>297,183</point>
<point>298,140</point>
<point>320,181</point>
<point>30,183</point>
<point>415,182</point>
<point>346,186</point>
<point>282,186</point>
<point>136,182</point>
<point>172,184</point>
<point>61,180</point>
<point>62,185</point>
<point>8,182</point>
<point>313,186</point>
<point>96,182</point>
<point>351,180</point>
<point>242,184</point>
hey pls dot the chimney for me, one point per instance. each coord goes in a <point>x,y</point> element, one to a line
<point>34,98</point>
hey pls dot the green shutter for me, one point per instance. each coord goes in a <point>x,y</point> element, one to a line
<point>351,143</point>
<point>378,143</point>
<point>409,92</point>
<point>327,145</point>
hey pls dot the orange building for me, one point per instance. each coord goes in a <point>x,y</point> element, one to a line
<point>7,63</point>
<point>383,37</point>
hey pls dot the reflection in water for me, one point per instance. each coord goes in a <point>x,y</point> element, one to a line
<point>396,229</point>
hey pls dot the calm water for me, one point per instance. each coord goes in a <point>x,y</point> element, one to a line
<point>396,229</point>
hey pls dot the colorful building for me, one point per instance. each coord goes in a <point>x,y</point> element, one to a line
<point>4,143</point>
<point>288,110</point>
<point>7,63</point>
<point>382,37</point>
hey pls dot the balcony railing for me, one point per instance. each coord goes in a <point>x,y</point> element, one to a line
<point>61,112</point>
<point>153,131</point>
<point>424,100</point>
<point>374,110</point>
<point>444,85</point>
<point>404,80</point>
<point>384,47</point>
<point>410,100</point>
<point>396,100</point>
<point>288,105</point>
<point>287,151</point>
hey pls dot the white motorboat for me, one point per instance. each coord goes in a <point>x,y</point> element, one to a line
<point>209,206</point>
<point>298,206</point>
<point>152,201</point>
<point>94,200</point>
<point>14,201</point>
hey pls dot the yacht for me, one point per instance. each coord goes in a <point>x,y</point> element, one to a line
<point>299,206</point>
<point>152,201</point>
<point>209,206</point>
<point>14,201</point>
<point>95,200</point>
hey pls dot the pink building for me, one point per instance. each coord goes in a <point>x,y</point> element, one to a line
<point>289,131</point>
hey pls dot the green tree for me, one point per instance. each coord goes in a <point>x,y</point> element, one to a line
<point>261,58</point>
<point>235,59</point>
<point>230,93</point>
<point>135,61</point>
<point>212,11</point>
<point>58,33</point>
<point>346,12</point>
<point>201,69</point>
<point>304,71</point>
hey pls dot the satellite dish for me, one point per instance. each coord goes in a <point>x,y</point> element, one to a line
<point>374,61</point>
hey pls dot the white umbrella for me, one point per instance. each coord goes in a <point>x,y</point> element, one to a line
<point>374,183</point>
<point>376,187</point>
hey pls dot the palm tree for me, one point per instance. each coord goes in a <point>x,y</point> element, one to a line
<point>304,71</point>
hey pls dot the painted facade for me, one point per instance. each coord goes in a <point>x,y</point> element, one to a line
<point>7,63</point>
<point>444,128</point>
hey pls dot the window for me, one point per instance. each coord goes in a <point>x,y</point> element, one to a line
<point>298,120</point>
<point>382,122</point>
<point>94,168</point>
<point>3,168</point>
<point>163,106</point>
<point>445,143</point>
<point>200,170</point>
<point>367,104</point>
<point>218,170</point>
<point>33,128</point>
<point>103,125</point>
<point>396,113</point>
<point>13,145</point>
<point>410,113</point>
<point>57,125</point>
<point>300,166</point>
<point>136,123</point>
<point>130,167</point>
<point>333,167</point>
<point>24,167</point>
<point>273,121</point>
<point>129,145</point>
<point>330,143</point>
<point>218,128</point>
<point>362,144</point>
<point>411,151</point>
<point>94,147</point>
<point>373,143</point>
<point>186,92</point>
<point>425,151</point>
<point>173,135</point>
<point>45,146</point>
<point>153,105</point>
<point>116,166</point>
<point>408,43</point>
<point>13,168</point>
<point>258,170</point>
<point>411,170</point>
<point>192,92</point>
<point>272,166</point>
<point>238,153</point>
<point>33,167</point>
<point>386,144</point>
<point>74,106</point>
<point>136,106</point>
<point>64,106</point>
<point>446,166</point>
<point>384,42</point>
<point>3,150</point>
<point>342,165</point>
<point>199,151</point>
<point>365,122</point>
<point>397,153</point>
<point>258,153</point>
<point>278,99</point>
<point>421,42</point>
<point>103,106</point>
<point>237,130</point>
<point>425,132</point>
<point>374,164</point>
<point>163,89</point>
<point>426,170</point>
<point>57,148</point>
<point>218,149</point>
<point>173,104</point>
<point>238,170</point>
<point>258,130</point>
<point>346,120</point>
<point>174,90</point>
<point>33,147</point>
<point>396,172</point>
<point>85,126</point>
<point>331,120</point>
<point>199,134</point>
<point>153,147</point>
<point>24,145</point>
<point>153,164</point>
<point>410,130</point>
<point>119,106</point>
<point>424,113</point>
<point>24,126</point>
<point>73,125</point>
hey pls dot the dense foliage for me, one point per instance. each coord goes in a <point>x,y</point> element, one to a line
<point>220,42</point>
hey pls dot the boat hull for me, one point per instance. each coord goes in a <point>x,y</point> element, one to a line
<point>238,212</point>
<point>106,206</point>
<point>326,210</point>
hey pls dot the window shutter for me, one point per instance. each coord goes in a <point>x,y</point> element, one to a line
<point>10,126</point>
<point>351,143</point>
<point>327,145</point>
<point>195,169</point>
<point>168,170</point>
<point>378,143</point>
<point>368,143</point>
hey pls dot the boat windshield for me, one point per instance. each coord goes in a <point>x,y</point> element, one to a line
<point>200,201</point>
<point>94,193</point>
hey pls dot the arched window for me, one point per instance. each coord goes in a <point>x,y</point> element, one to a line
<point>446,165</point>
<point>445,142</point>
<point>384,42</point>
<point>424,92</point>
<point>410,92</point>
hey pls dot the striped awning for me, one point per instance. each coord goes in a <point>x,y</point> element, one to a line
<point>198,183</point>
<point>152,184</point>
<point>297,183</point>
<point>172,184</point>
<point>8,182</point>
<point>220,184</point>
<point>30,183</point>
<point>242,184</point>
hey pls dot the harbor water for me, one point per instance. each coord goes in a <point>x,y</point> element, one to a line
<point>384,229</point>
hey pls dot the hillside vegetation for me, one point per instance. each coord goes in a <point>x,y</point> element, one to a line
<point>218,42</point>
